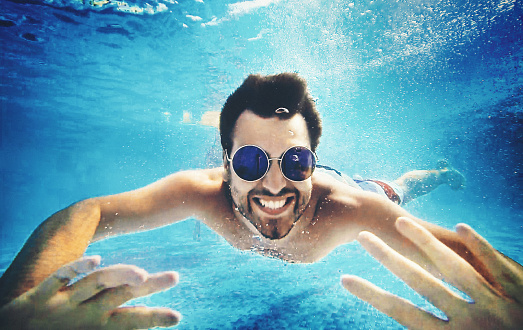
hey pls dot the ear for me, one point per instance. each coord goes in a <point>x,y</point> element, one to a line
<point>226,172</point>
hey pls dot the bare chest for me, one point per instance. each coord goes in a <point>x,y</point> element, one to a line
<point>295,251</point>
<point>303,244</point>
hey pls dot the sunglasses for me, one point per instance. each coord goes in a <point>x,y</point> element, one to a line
<point>251,163</point>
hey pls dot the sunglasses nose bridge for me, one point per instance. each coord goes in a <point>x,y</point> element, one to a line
<point>274,181</point>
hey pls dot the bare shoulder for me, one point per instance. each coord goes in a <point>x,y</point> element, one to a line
<point>191,190</point>
<point>349,210</point>
<point>193,180</point>
<point>200,189</point>
<point>337,208</point>
<point>173,198</point>
<point>334,193</point>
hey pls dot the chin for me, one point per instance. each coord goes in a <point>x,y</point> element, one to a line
<point>273,236</point>
<point>273,233</point>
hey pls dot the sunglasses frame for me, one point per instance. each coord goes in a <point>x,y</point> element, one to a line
<point>279,159</point>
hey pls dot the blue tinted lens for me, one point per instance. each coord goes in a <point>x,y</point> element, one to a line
<point>250,163</point>
<point>298,163</point>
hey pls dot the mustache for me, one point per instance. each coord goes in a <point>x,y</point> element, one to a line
<point>282,192</point>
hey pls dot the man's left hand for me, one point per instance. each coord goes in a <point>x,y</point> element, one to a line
<point>490,309</point>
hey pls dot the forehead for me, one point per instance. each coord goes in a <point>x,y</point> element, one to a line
<point>273,134</point>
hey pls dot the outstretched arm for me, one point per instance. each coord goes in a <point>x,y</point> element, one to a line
<point>64,236</point>
<point>345,212</point>
<point>496,306</point>
<point>61,239</point>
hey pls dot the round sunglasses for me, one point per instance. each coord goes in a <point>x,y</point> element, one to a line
<point>251,163</point>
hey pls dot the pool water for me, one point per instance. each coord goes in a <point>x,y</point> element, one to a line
<point>99,98</point>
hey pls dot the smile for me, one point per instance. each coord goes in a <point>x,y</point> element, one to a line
<point>273,205</point>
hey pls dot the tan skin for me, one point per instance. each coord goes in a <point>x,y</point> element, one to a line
<point>295,221</point>
<point>332,213</point>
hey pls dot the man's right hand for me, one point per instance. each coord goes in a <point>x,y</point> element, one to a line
<point>93,301</point>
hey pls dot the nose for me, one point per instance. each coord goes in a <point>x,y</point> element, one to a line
<point>274,181</point>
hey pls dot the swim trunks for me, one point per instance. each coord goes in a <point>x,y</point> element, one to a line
<point>386,189</point>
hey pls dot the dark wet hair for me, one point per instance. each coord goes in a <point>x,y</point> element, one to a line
<point>263,95</point>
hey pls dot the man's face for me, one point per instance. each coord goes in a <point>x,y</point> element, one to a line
<point>273,203</point>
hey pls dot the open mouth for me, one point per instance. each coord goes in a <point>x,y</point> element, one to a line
<point>272,205</point>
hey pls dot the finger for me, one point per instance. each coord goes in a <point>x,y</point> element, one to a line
<point>142,318</point>
<point>509,275</point>
<point>156,283</point>
<point>411,273</point>
<point>109,277</point>
<point>112,298</point>
<point>398,308</point>
<point>62,276</point>
<point>454,269</point>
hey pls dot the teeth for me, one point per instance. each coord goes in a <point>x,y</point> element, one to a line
<point>272,204</point>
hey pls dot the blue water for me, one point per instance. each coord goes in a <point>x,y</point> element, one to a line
<point>92,101</point>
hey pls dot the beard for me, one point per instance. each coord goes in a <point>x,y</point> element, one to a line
<point>272,228</point>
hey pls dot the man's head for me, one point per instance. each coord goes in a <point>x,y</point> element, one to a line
<point>274,113</point>
<point>263,95</point>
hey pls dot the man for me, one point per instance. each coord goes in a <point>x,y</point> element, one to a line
<point>266,198</point>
